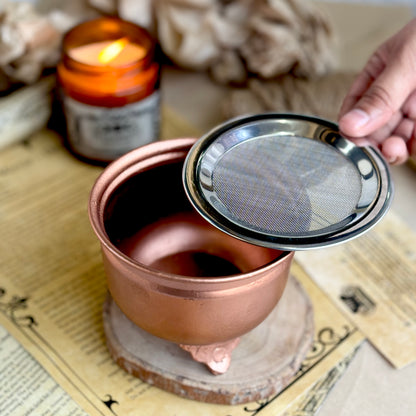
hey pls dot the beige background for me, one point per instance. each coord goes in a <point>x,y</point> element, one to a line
<point>370,386</point>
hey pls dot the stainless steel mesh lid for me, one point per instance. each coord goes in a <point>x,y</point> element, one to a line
<point>286,181</point>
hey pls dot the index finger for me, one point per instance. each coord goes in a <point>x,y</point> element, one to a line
<point>362,83</point>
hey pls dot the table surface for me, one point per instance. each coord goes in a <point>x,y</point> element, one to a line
<point>370,385</point>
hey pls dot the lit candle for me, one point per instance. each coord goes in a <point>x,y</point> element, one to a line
<point>108,53</point>
<point>109,81</point>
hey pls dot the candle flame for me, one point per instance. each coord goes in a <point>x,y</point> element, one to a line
<point>111,51</point>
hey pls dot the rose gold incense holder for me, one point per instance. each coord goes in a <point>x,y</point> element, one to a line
<point>169,271</point>
<point>216,290</point>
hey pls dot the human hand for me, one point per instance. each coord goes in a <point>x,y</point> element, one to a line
<point>380,107</point>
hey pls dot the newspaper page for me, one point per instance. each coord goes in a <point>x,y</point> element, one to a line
<point>372,279</point>
<point>53,354</point>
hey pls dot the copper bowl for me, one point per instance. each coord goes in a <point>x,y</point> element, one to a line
<point>169,271</point>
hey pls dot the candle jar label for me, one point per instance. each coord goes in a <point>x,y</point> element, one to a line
<point>106,133</point>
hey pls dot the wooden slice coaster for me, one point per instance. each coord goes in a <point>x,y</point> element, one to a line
<point>262,364</point>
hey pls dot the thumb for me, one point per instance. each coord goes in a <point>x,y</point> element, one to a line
<point>379,102</point>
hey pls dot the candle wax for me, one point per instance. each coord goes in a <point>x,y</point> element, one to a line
<point>89,54</point>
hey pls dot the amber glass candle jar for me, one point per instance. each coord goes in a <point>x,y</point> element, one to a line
<point>109,83</point>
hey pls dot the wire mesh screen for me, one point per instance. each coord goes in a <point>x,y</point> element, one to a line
<point>286,185</point>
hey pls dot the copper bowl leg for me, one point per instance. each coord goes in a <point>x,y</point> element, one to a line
<point>217,357</point>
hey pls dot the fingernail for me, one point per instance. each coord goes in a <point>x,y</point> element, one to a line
<point>356,117</point>
<point>392,160</point>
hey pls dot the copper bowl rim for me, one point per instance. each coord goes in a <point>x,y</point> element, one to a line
<point>140,160</point>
